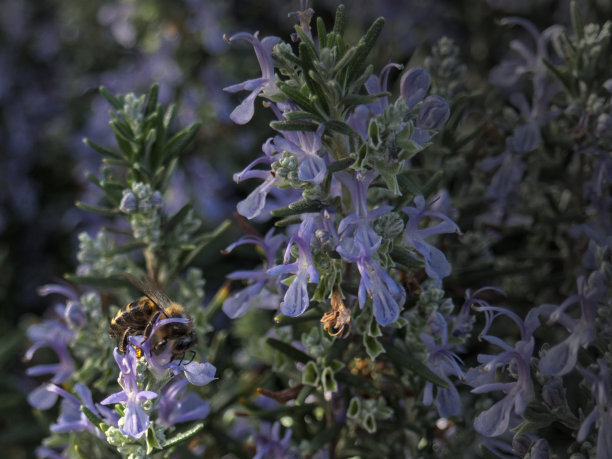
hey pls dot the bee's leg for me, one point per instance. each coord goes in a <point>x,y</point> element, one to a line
<point>125,339</point>
<point>151,324</point>
<point>193,355</point>
<point>181,359</point>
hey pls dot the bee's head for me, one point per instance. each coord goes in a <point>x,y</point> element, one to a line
<point>184,343</point>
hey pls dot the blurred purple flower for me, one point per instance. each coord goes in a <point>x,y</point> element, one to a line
<point>378,84</point>
<point>56,335</point>
<point>243,113</point>
<point>561,358</point>
<point>433,113</point>
<point>515,360</point>
<point>238,303</point>
<point>269,444</point>
<point>136,420</point>
<point>443,362</point>
<point>71,416</point>
<point>599,385</point>
<point>176,406</point>
<point>436,265</point>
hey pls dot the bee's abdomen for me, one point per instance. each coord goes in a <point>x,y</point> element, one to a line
<point>135,315</point>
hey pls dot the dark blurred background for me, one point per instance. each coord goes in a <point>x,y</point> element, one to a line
<point>55,54</point>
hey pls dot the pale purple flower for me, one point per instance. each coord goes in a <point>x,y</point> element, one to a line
<point>296,299</point>
<point>436,265</point>
<point>377,84</point>
<point>357,225</point>
<point>433,113</point>
<point>414,84</point>
<point>561,358</point>
<point>164,363</point>
<point>239,302</point>
<point>305,146</point>
<point>444,362</point>
<point>175,405</point>
<point>71,416</point>
<point>599,385</point>
<point>253,204</point>
<point>56,335</point>
<point>515,361</point>
<point>464,321</point>
<point>359,242</point>
<point>136,420</point>
<point>269,444</point>
<point>243,113</point>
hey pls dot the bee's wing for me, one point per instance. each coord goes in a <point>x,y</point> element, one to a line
<point>155,294</point>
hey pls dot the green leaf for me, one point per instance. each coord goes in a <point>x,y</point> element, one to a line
<point>403,359</point>
<point>179,142</point>
<point>310,374</point>
<point>95,420</point>
<point>432,184</point>
<point>324,437</point>
<point>340,165</point>
<point>297,207</point>
<point>372,346</point>
<point>288,350</point>
<point>405,259</point>
<point>183,436</point>
<point>577,23</point>
<point>362,99</point>
<point>321,32</point>
<point>328,380</point>
<point>102,150</point>
<point>97,209</point>
<point>292,220</point>
<point>177,218</point>
<point>297,96</point>
<point>341,127</point>
<point>129,247</point>
<point>115,102</point>
<point>305,39</point>
<point>106,282</point>
<point>152,441</point>
<point>564,77</point>
<point>299,115</point>
<point>152,99</point>
<point>200,243</point>
<point>293,126</point>
<point>357,382</point>
<point>366,44</point>
<point>340,20</point>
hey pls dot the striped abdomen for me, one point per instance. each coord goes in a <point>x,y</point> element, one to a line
<point>134,316</point>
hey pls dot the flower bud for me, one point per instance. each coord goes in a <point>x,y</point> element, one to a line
<point>553,392</point>
<point>129,203</point>
<point>433,113</point>
<point>414,85</point>
<point>521,444</point>
<point>157,199</point>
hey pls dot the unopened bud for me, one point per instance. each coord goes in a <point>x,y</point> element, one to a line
<point>433,113</point>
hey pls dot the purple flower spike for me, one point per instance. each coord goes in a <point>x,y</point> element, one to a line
<point>434,112</point>
<point>243,113</point>
<point>136,420</point>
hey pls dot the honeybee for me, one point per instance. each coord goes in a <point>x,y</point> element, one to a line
<point>139,318</point>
